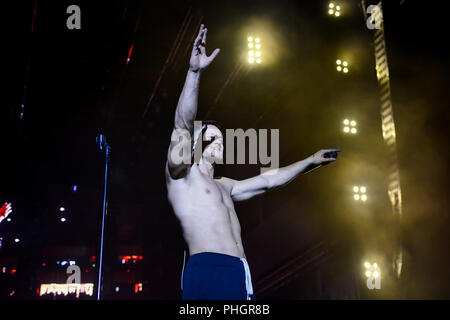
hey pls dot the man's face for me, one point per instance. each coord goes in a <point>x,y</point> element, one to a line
<point>214,144</point>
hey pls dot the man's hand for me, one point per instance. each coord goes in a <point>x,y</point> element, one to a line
<point>324,156</point>
<point>199,60</point>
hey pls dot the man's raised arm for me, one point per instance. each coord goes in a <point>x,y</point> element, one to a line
<point>187,104</point>
<point>248,188</point>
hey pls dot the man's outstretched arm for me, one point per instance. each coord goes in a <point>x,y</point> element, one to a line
<point>187,103</point>
<point>248,188</point>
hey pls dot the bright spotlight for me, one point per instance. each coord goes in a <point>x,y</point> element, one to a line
<point>334,9</point>
<point>63,219</point>
<point>256,44</point>
<point>350,125</point>
<point>359,193</point>
<point>368,273</point>
<point>62,209</point>
<point>367,265</point>
<point>344,63</point>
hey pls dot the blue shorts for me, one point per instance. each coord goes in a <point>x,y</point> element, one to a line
<point>216,276</point>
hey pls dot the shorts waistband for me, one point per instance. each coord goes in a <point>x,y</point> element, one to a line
<point>214,258</point>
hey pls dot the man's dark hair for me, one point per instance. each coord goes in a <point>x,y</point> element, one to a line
<point>206,123</point>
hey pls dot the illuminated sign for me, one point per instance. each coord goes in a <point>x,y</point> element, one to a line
<point>132,258</point>
<point>65,289</point>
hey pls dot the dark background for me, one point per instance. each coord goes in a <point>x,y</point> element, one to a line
<point>78,85</point>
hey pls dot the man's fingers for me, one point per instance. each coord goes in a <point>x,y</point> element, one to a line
<point>328,161</point>
<point>213,55</point>
<point>204,36</point>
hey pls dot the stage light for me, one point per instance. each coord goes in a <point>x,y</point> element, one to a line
<point>372,270</point>
<point>16,240</point>
<point>359,193</point>
<point>63,263</point>
<point>62,209</point>
<point>334,10</point>
<point>256,44</point>
<point>5,211</point>
<point>123,261</point>
<point>117,289</point>
<point>342,65</point>
<point>75,188</point>
<point>350,126</point>
<point>63,219</point>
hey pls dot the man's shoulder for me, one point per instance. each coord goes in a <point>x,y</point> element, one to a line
<point>226,182</point>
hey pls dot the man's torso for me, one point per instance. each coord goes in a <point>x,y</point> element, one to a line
<point>206,213</point>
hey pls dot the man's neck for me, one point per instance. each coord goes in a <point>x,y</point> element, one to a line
<point>206,168</point>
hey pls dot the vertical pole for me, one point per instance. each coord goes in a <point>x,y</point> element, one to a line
<point>102,144</point>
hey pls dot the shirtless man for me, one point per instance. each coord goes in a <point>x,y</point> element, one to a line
<point>217,268</point>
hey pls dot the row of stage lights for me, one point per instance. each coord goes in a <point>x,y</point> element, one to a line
<point>359,192</point>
